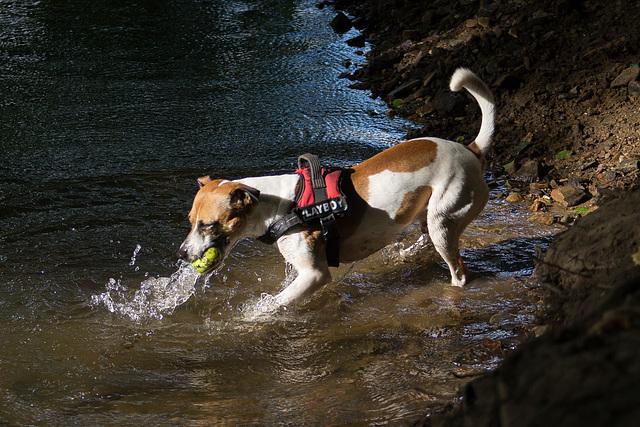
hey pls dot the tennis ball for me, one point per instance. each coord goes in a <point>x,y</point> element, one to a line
<point>207,261</point>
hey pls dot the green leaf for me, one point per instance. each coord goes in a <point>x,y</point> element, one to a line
<point>396,102</point>
<point>509,165</point>
<point>519,148</point>
<point>564,154</point>
<point>581,211</point>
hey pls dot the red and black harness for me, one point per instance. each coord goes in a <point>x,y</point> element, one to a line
<point>319,201</point>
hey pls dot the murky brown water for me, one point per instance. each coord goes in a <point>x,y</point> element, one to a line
<point>108,112</point>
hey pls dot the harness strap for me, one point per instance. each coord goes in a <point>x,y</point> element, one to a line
<point>315,173</point>
<point>323,209</point>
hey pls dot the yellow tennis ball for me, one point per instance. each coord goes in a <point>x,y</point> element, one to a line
<point>207,261</point>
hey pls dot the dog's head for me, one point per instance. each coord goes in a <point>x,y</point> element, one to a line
<point>218,217</point>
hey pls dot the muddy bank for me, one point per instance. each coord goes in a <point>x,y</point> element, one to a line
<point>566,77</point>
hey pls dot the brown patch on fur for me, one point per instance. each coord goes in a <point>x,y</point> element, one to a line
<point>412,204</point>
<point>475,149</point>
<point>215,203</point>
<point>315,241</point>
<point>408,156</point>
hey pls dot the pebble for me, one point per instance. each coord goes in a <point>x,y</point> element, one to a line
<point>529,172</point>
<point>539,330</point>
<point>542,219</point>
<point>484,22</point>
<point>628,75</point>
<point>341,23</point>
<point>514,198</point>
<point>500,318</point>
<point>568,195</point>
<point>538,206</point>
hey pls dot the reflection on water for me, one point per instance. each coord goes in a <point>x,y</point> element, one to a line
<point>108,113</point>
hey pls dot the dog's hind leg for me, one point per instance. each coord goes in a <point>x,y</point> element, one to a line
<point>445,230</point>
<point>445,235</point>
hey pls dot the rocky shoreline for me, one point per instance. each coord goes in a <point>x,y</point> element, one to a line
<point>566,77</point>
<point>564,73</point>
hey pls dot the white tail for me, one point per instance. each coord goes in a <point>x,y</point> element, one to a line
<point>464,78</point>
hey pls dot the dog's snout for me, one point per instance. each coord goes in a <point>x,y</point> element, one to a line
<point>182,253</point>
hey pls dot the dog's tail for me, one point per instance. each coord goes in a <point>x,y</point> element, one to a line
<point>464,78</point>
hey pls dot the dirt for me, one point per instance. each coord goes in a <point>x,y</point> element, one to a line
<point>565,75</point>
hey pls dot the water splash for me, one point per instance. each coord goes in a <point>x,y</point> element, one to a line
<point>156,297</point>
<point>259,308</point>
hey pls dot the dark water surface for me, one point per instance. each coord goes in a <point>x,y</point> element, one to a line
<point>109,110</point>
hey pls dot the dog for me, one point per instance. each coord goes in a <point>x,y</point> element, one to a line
<point>435,181</point>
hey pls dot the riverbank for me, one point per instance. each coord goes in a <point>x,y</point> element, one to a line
<point>565,75</point>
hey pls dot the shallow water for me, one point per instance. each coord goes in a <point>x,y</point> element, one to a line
<point>108,113</point>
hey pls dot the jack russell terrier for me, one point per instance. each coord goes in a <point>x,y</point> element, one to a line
<point>432,180</point>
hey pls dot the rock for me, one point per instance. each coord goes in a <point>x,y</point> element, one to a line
<point>539,330</point>
<point>626,77</point>
<point>538,206</point>
<point>542,219</point>
<point>448,103</point>
<point>471,23</point>
<point>634,88</point>
<point>404,89</point>
<point>484,22</point>
<point>357,41</point>
<point>514,198</point>
<point>568,195</point>
<point>341,23</point>
<point>529,172</point>
<point>487,10</point>
<point>522,99</point>
<point>492,66</point>
<point>426,109</point>
<point>627,165</point>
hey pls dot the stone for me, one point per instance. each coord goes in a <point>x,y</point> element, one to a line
<point>404,89</point>
<point>341,23</point>
<point>358,41</point>
<point>484,22</point>
<point>634,88</point>
<point>514,198</point>
<point>538,206</point>
<point>529,172</point>
<point>626,165</point>
<point>447,103</point>
<point>542,219</point>
<point>627,76</point>
<point>569,196</point>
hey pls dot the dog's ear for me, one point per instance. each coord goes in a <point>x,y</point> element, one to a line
<point>244,196</point>
<point>204,180</point>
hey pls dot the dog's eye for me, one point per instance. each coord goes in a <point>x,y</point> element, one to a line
<point>208,226</point>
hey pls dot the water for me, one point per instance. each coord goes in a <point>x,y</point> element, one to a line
<point>108,113</point>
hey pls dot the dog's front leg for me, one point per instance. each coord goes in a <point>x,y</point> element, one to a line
<point>305,251</point>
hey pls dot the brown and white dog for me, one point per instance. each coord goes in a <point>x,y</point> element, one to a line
<point>431,180</point>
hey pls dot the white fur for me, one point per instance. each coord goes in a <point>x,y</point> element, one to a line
<point>464,78</point>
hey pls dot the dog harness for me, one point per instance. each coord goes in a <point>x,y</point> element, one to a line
<point>319,201</point>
